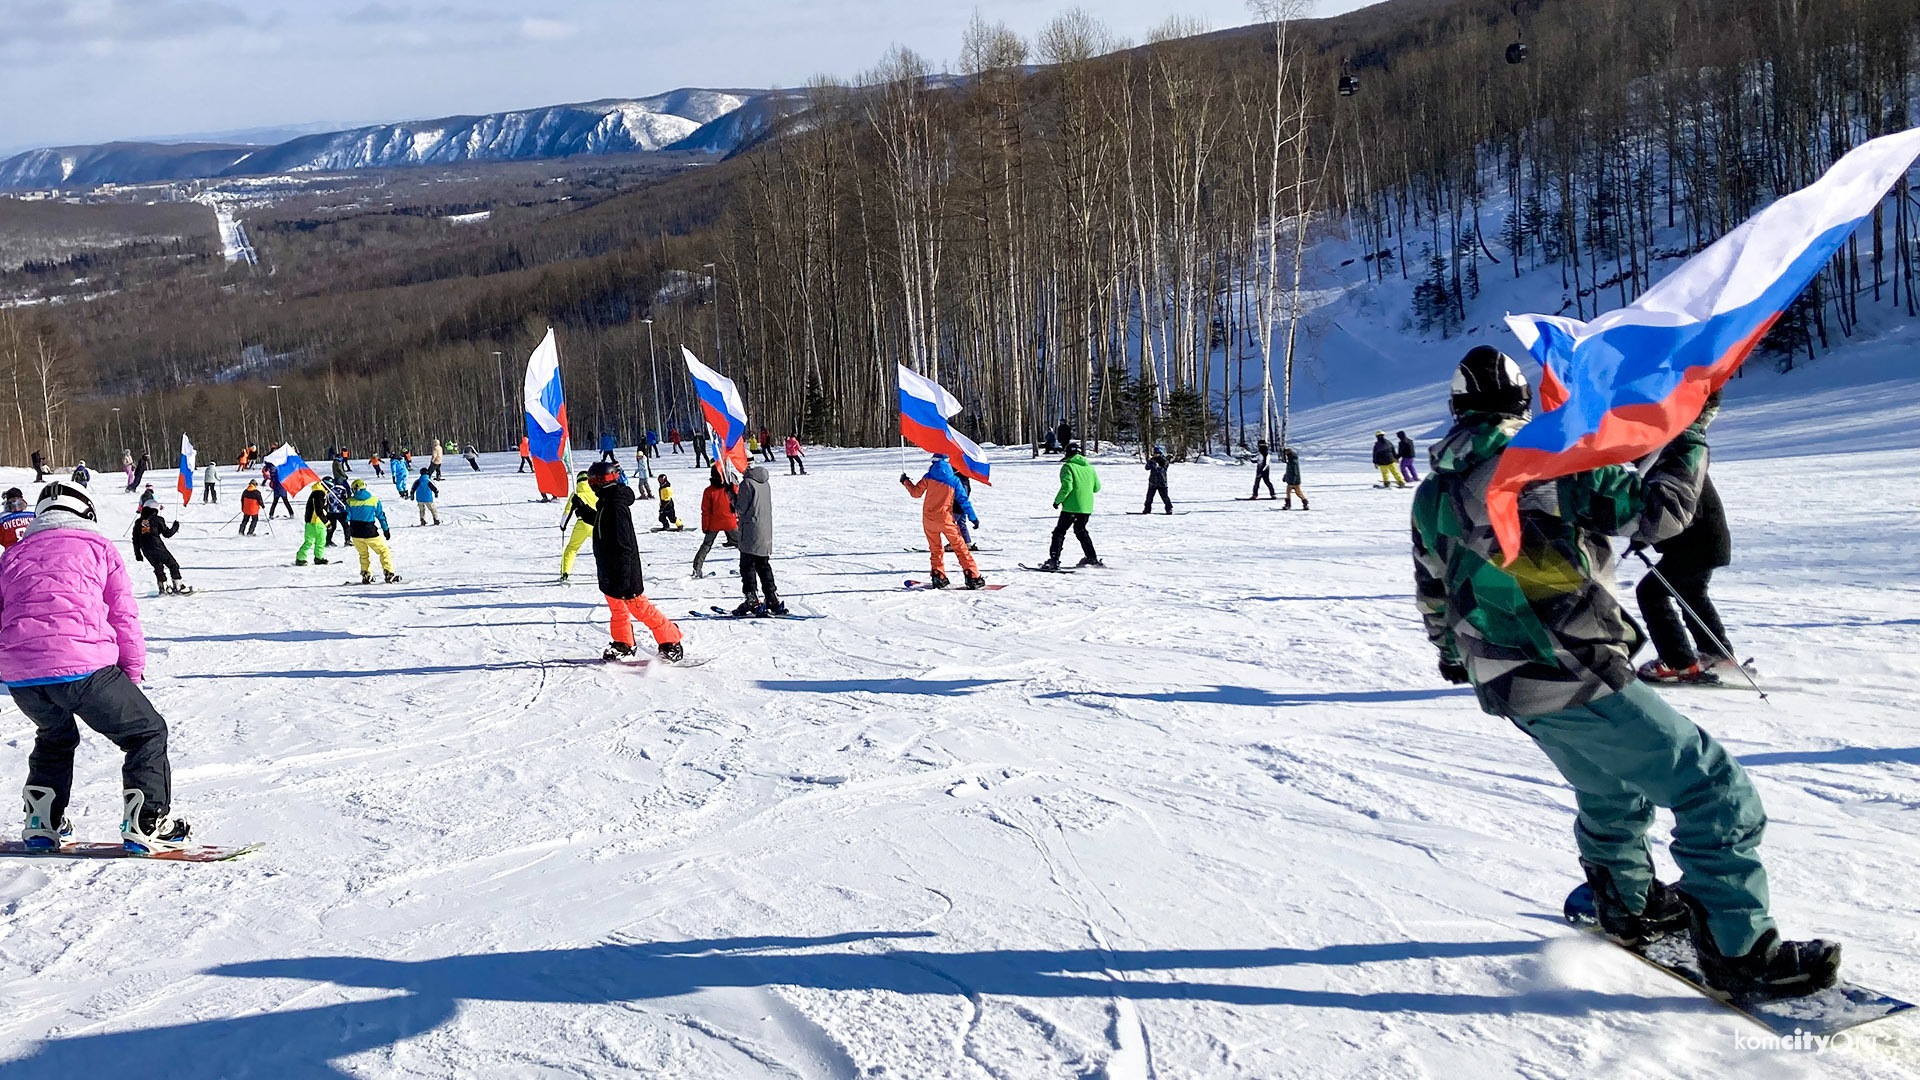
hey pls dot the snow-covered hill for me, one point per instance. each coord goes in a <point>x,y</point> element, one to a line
<point>1206,813</point>
<point>599,127</point>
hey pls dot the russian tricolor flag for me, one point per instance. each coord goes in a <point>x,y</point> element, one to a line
<point>186,470</point>
<point>293,473</point>
<point>1617,388</point>
<point>726,413</point>
<point>546,404</point>
<point>924,408</point>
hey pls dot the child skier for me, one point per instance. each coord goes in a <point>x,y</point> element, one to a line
<point>753,505</point>
<point>1544,643</point>
<point>367,525</point>
<point>150,531</point>
<point>314,539</point>
<point>1290,476</point>
<point>643,473</point>
<point>424,492</point>
<point>941,502</point>
<point>616,557</point>
<point>250,503</point>
<point>669,518</point>
<point>716,517</point>
<point>580,510</point>
<point>1078,484</point>
<point>1383,459</point>
<point>1157,480</point>
<point>71,646</point>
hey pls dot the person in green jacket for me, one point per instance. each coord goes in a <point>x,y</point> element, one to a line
<point>314,540</point>
<point>1078,483</point>
<point>1545,643</point>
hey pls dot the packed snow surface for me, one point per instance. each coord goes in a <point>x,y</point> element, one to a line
<point>1206,813</point>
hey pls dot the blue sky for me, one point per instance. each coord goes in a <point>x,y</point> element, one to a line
<point>83,71</point>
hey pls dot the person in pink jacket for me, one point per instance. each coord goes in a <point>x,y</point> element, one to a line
<point>71,646</point>
<point>796,461</point>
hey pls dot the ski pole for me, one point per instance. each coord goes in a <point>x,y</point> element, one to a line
<point>1711,636</point>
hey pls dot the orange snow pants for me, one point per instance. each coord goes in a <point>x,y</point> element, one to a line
<point>951,534</point>
<point>623,612</point>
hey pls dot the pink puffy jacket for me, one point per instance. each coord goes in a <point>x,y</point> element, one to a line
<point>793,446</point>
<point>67,608</point>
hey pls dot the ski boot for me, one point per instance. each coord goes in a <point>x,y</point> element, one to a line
<point>1771,969</point>
<point>749,607</point>
<point>671,652</point>
<point>1657,671</point>
<point>181,588</point>
<point>146,830</point>
<point>318,561</point>
<point>1092,562</point>
<point>39,833</point>
<point>566,579</point>
<point>366,578</point>
<point>1715,666</point>
<point>976,581</point>
<point>1664,913</point>
<point>939,580</point>
<point>393,579</point>
<point>296,562</point>
<point>617,650</point>
<point>1050,565</point>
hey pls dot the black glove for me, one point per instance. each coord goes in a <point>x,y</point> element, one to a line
<point>386,534</point>
<point>1454,672</point>
<point>904,480</point>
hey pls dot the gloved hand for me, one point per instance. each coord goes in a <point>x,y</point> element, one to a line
<point>386,534</point>
<point>1454,672</point>
<point>904,480</point>
<point>975,522</point>
<point>1056,506</point>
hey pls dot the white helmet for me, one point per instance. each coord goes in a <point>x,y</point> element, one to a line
<point>69,497</point>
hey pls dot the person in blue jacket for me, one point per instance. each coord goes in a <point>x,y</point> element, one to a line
<point>606,448</point>
<point>424,490</point>
<point>367,525</point>
<point>397,465</point>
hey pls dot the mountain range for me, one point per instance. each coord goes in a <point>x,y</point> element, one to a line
<point>714,122</point>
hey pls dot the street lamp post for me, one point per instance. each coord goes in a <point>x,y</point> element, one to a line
<point>506,414</point>
<point>117,429</point>
<point>714,275</point>
<point>278,415</point>
<point>654,361</point>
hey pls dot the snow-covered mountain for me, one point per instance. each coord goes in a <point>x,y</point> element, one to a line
<point>615,126</point>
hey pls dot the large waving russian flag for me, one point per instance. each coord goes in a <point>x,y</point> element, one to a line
<point>546,405</point>
<point>726,413</point>
<point>925,406</point>
<point>185,483</point>
<point>293,473</point>
<point>1621,386</point>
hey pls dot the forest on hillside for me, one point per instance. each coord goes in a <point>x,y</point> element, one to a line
<point>1069,226</point>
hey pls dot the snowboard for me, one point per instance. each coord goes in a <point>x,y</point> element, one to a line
<point>90,850</point>
<point>928,585</point>
<point>663,528</point>
<point>718,612</point>
<point>357,583</point>
<point>1044,570</point>
<point>1832,1010</point>
<point>1158,513</point>
<point>648,662</point>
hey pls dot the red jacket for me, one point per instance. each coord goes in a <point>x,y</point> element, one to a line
<point>716,511</point>
<point>250,501</point>
<point>525,446</point>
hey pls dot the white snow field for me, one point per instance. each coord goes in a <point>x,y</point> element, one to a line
<point>1207,813</point>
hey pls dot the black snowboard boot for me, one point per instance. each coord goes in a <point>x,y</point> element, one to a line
<point>393,579</point>
<point>366,578</point>
<point>671,652</point>
<point>939,580</point>
<point>617,650</point>
<point>748,607</point>
<point>778,607</point>
<point>1772,969</point>
<point>1093,562</point>
<point>975,581</point>
<point>1051,564</point>
<point>1664,914</point>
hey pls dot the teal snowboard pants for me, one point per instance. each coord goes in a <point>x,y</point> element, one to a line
<point>1629,752</point>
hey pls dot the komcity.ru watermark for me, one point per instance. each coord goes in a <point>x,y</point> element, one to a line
<point>1807,1042</point>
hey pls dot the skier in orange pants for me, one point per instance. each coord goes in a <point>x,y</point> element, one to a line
<point>941,500</point>
<point>616,556</point>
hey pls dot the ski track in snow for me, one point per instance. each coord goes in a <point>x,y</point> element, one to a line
<point>1206,813</point>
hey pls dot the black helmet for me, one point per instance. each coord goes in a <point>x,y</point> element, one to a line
<point>1490,383</point>
<point>602,472</point>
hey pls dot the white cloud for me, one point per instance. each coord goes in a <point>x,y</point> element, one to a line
<point>534,28</point>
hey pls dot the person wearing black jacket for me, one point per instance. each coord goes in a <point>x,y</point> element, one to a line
<point>1404,447</point>
<point>1157,480</point>
<point>1690,646</point>
<point>616,558</point>
<point>150,531</point>
<point>1384,459</point>
<point>1262,472</point>
<point>1290,476</point>
<point>39,467</point>
<point>336,510</point>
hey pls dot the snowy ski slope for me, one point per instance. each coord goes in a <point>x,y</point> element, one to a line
<point>1208,813</point>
